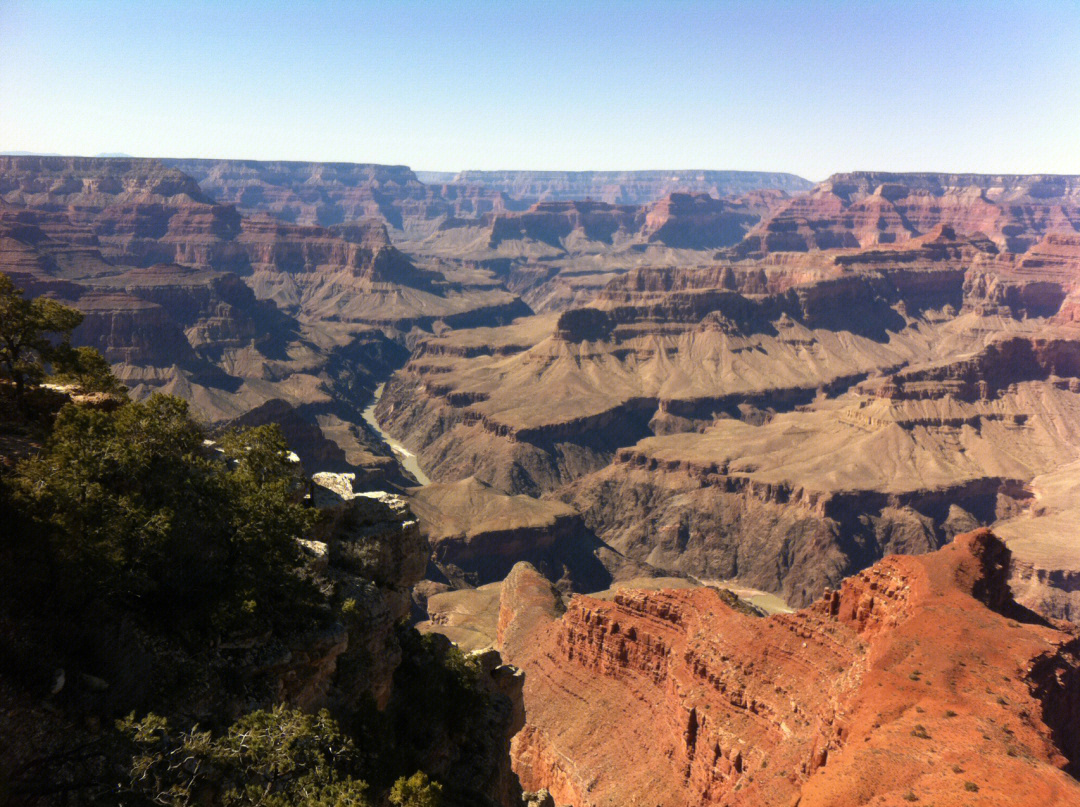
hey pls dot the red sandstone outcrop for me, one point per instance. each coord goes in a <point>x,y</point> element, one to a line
<point>918,680</point>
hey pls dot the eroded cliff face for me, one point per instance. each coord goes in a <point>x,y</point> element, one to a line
<point>372,552</point>
<point>914,678</point>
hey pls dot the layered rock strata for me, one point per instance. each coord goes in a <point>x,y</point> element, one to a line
<point>918,680</point>
<point>866,208</point>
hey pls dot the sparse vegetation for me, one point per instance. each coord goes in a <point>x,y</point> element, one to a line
<point>126,517</point>
<point>920,732</point>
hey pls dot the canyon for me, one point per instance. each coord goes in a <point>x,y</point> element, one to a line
<point>613,403</point>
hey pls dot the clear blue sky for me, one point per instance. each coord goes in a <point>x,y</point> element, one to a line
<point>804,86</point>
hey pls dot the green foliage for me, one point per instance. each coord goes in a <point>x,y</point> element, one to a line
<point>136,512</point>
<point>416,791</point>
<point>31,333</point>
<point>85,368</point>
<point>269,758</point>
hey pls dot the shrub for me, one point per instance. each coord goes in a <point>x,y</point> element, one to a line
<point>920,732</point>
<point>416,791</point>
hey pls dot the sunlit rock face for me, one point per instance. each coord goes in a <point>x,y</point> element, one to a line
<point>914,660</point>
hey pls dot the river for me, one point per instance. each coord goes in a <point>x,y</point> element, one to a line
<point>405,457</point>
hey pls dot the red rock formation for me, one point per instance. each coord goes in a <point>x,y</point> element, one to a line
<point>552,222</point>
<point>918,680</point>
<point>868,208</point>
<point>698,221</point>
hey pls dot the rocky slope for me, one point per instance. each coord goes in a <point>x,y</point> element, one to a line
<point>478,534</point>
<point>918,680</point>
<point>795,504</point>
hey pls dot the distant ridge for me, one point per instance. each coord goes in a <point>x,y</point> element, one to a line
<point>620,187</point>
<point>109,154</point>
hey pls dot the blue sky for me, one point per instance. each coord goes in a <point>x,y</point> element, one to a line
<point>809,87</point>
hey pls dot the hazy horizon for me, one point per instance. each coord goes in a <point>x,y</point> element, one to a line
<point>810,89</point>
